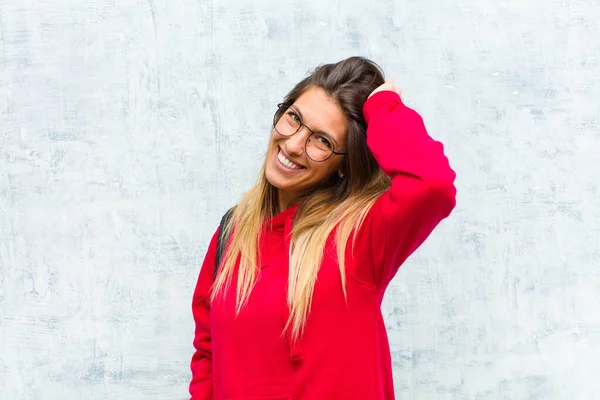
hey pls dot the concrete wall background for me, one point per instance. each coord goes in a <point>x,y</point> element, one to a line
<point>128,127</point>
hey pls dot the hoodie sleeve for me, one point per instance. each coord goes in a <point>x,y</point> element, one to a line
<point>201,385</point>
<point>422,191</point>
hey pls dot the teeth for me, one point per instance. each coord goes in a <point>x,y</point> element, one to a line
<point>286,162</point>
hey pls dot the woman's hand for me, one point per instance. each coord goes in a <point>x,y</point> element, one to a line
<point>388,85</point>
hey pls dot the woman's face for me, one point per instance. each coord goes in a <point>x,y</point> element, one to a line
<point>288,167</point>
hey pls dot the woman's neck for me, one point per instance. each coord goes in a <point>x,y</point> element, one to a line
<point>286,199</point>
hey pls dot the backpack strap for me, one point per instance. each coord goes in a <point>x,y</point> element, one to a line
<point>222,239</point>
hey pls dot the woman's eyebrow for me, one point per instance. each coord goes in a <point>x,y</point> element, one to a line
<point>296,109</point>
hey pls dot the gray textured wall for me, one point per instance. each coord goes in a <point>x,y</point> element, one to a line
<point>128,127</point>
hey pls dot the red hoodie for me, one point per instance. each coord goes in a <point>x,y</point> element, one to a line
<point>344,352</point>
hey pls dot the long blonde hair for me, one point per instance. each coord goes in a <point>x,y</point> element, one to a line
<point>338,203</point>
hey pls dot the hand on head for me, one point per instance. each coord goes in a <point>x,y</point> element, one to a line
<point>388,85</point>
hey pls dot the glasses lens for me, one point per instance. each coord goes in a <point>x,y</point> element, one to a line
<point>288,122</point>
<point>319,147</point>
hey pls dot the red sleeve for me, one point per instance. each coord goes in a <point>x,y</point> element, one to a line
<point>422,191</point>
<point>201,386</point>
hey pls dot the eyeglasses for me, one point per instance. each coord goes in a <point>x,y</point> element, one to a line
<point>319,147</point>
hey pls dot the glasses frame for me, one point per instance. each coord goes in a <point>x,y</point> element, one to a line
<point>302,124</point>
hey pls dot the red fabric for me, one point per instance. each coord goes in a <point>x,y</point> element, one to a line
<point>344,353</point>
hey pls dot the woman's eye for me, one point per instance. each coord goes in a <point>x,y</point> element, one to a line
<point>324,141</point>
<point>294,116</point>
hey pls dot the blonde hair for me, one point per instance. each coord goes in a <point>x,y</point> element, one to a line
<point>338,204</point>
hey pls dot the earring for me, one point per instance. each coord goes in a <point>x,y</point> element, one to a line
<point>341,174</point>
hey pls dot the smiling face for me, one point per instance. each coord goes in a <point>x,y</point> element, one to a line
<point>288,167</point>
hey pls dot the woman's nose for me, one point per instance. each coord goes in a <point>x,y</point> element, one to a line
<point>295,144</point>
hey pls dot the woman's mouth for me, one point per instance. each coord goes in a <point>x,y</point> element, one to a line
<point>286,163</point>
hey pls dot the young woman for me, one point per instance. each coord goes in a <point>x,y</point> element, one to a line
<point>351,186</point>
